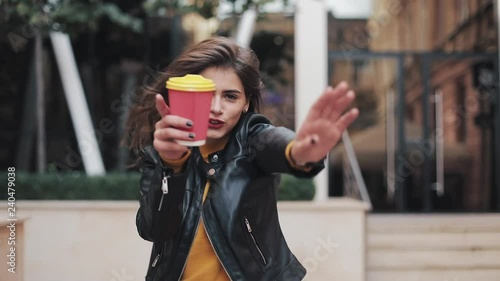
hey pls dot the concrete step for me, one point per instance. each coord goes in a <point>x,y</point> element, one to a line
<point>460,241</point>
<point>440,247</point>
<point>427,259</point>
<point>447,223</point>
<point>435,275</point>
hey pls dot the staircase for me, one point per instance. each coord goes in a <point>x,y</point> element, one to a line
<point>437,247</point>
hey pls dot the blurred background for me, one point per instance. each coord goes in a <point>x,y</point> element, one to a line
<point>425,73</point>
<point>423,157</point>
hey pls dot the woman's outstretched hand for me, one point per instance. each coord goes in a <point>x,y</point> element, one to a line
<point>324,124</point>
<point>167,131</point>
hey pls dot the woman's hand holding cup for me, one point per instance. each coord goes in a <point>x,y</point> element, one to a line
<point>168,129</point>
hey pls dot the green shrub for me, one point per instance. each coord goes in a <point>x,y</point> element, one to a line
<point>77,186</point>
<point>116,186</point>
<point>295,189</point>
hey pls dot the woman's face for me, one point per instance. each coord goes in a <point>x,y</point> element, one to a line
<point>228,102</point>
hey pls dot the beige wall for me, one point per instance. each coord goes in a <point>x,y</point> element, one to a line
<point>12,237</point>
<point>77,240</point>
<point>97,240</point>
<point>327,237</point>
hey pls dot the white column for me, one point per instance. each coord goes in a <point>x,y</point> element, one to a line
<point>311,67</point>
<point>246,26</point>
<point>79,111</point>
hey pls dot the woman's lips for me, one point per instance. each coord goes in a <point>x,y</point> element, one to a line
<point>215,123</point>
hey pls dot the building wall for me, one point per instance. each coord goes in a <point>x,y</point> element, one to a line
<point>450,26</point>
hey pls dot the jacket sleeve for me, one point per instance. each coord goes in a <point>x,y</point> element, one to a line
<point>160,214</point>
<point>267,146</point>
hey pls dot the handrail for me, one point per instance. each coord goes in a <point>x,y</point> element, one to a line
<point>354,165</point>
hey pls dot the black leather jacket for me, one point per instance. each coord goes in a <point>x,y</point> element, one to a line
<point>239,213</point>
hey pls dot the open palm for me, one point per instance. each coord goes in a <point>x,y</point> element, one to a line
<point>324,124</point>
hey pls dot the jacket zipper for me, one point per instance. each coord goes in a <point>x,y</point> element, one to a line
<point>155,261</point>
<point>190,246</point>
<point>164,188</point>
<point>210,240</point>
<point>249,228</point>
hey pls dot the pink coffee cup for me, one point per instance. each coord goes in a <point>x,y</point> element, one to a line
<point>190,96</point>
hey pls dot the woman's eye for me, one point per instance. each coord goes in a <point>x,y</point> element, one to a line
<point>231,96</point>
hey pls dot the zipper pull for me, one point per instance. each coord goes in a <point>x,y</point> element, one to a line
<point>164,189</point>
<point>164,183</point>
<point>248,225</point>
<point>155,261</point>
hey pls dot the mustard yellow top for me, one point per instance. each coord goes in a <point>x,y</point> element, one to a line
<point>203,263</point>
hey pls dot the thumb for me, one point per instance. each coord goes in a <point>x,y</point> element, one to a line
<point>161,105</point>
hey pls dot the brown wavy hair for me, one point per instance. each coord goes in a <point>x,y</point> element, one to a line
<point>217,51</point>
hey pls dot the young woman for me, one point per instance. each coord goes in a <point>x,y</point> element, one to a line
<point>216,216</point>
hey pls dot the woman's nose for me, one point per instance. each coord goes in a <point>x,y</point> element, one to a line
<point>216,107</point>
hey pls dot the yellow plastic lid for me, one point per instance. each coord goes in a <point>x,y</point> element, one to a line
<point>190,83</point>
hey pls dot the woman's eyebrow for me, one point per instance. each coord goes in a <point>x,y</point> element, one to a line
<point>232,91</point>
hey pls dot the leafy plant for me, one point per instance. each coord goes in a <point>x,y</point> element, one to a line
<point>76,186</point>
<point>295,189</point>
<point>70,16</point>
<point>116,186</point>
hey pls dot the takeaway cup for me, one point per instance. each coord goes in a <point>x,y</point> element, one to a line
<point>190,96</point>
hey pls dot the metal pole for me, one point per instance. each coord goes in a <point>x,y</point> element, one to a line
<point>390,144</point>
<point>401,152</point>
<point>78,108</point>
<point>496,120</point>
<point>426,173</point>
<point>246,26</point>
<point>354,167</point>
<point>40,103</point>
<point>438,99</point>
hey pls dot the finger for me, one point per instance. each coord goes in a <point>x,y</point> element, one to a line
<point>342,86</point>
<point>319,105</point>
<point>177,122</point>
<point>327,99</point>
<point>171,133</point>
<point>173,121</point>
<point>333,112</point>
<point>166,147</point>
<point>161,105</point>
<point>346,119</point>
